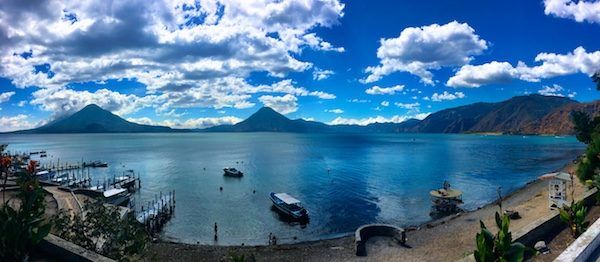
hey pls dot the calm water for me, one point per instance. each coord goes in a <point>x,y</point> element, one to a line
<point>371,178</point>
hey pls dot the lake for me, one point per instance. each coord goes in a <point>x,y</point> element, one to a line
<point>344,180</point>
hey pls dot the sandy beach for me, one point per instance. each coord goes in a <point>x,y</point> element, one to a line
<point>447,239</point>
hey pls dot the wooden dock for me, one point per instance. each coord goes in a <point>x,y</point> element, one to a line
<point>157,213</point>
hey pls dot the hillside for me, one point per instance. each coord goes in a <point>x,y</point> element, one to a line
<point>93,119</point>
<point>530,114</point>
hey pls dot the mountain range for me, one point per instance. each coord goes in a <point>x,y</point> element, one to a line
<point>530,114</point>
<point>93,119</point>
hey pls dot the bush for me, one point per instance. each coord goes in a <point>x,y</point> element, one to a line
<point>23,228</point>
<point>102,230</point>
<point>498,247</point>
<point>574,217</point>
<point>591,162</point>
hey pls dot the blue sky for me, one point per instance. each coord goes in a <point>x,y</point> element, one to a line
<point>193,64</point>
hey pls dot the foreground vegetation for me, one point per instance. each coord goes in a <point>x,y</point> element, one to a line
<point>22,227</point>
<point>100,228</point>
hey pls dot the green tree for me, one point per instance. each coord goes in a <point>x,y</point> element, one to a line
<point>589,165</point>
<point>587,131</point>
<point>499,247</point>
<point>121,238</point>
<point>23,227</point>
<point>585,127</point>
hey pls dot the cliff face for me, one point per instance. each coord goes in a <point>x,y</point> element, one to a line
<point>518,115</point>
<point>559,120</point>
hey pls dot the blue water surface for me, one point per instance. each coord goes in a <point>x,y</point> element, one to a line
<point>344,180</point>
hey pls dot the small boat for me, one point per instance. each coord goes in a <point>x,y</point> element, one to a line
<point>95,164</point>
<point>445,200</point>
<point>116,196</point>
<point>125,181</point>
<point>230,171</point>
<point>288,205</point>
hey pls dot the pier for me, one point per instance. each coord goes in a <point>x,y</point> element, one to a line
<point>157,213</point>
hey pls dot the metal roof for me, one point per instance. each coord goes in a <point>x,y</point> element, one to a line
<point>290,200</point>
<point>113,192</point>
<point>557,175</point>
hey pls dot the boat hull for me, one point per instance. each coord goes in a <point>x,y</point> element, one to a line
<point>230,173</point>
<point>285,211</point>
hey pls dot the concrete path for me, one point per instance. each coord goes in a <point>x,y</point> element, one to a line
<point>65,200</point>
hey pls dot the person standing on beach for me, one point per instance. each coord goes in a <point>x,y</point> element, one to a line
<point>216,231</point>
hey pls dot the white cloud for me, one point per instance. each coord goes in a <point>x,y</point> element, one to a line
<point>6,96</point>
<point>556,90</point>
<point>335,111</point>
<point>283,104</point>
<point>321,74</point>
<point>409,106</point>
<point>418,50</point>
<point>22,103</point>
<point>551,65</point>
<point>185,52</point>
<point>475,76</point>
<point>385,103</point>
<point>192,123</point>
<point>18,122</point>
<point>445,96</point>
<point>359,101</point>
<point>220,93</point>
<point>376,119</point>
<point>579,11</point>
<point>62,101</point>
<point>376,90</point>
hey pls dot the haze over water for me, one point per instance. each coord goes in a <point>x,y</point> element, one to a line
<point>344,180</point>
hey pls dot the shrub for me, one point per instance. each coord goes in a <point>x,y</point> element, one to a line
<point>574,217</point>
<point>23,228</point>
<point>498,247</point>
<point>122,238</point>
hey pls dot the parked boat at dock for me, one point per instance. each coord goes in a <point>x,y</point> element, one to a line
<point>288,205</point>
<point>95,164</point>
<point>116,196</point>
<point>230,171</point>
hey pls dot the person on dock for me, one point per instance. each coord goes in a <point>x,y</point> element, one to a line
<point>216,231</point>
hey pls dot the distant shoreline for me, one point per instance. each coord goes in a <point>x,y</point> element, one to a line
<point>191,131</point>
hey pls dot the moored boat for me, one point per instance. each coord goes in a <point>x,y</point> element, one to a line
<point>445,200</point>
<point>116,196</point>
<point>288,205</point>
<point>230,171</point>
<point>95,164</point>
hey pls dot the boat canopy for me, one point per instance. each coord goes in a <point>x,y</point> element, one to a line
<point>41,173</point>
<point>113,192</point>
<point>446,193</point>
<point>290,200</point>
<point>557,175</point>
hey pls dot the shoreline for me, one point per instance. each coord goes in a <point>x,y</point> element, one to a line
<point>529,200</point>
